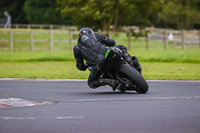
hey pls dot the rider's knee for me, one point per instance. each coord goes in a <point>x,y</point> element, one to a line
<point>90,84</point>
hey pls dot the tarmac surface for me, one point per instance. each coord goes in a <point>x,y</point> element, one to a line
<point>70,106</point>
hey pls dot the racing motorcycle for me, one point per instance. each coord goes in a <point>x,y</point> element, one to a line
<point>117,67</point>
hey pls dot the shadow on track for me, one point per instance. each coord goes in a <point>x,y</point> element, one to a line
<point>112,93</point>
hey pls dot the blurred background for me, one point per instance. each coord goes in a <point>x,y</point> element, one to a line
<point>153,30</point>
<point>131,22</point>
<point>101,14</point>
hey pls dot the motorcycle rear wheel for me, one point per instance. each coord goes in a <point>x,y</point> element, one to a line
<point>135,78</point>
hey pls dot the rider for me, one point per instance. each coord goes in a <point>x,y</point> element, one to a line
<point>92,47</point>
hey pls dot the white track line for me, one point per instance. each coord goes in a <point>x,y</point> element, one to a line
<point>32,118</point>
<point>23,79</point>
<point>175,81</point>
<point>144,98</point>
<point>16,118</point>
<point>69,117</point>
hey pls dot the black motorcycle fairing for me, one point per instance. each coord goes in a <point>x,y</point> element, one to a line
<point>116,67</point>
<point>114,59</point>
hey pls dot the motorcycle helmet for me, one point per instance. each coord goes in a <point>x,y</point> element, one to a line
<point>85,31</point>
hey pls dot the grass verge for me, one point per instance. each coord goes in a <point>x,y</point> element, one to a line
<point>67,70</point>
<point>189,55</point>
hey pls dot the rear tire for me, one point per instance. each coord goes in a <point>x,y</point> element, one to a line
<point>135,78</point>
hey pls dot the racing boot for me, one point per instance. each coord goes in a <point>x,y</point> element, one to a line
<point>136,64</point>
<point>133,61</point>
<point>102,82</point>
<point>111,82</point>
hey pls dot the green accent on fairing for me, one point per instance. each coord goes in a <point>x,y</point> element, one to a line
<point>107,52</point>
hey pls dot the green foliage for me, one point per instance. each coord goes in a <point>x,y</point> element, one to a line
<point>103,13</point>
<point>182,14</point>
<point>42,12</point>
<point>15,9</point>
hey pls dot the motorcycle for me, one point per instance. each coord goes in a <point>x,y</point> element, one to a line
<point>117,67</point>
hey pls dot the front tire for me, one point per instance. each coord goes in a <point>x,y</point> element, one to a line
<point>135,78</point>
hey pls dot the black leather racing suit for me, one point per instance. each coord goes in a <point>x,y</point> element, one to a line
<point>92,49</point>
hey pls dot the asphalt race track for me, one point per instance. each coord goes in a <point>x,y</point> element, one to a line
<point>64,106</point>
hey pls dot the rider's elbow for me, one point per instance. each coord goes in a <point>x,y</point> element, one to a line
<point>81,68</point>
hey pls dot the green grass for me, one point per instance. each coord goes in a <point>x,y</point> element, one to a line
<point>36,56</point>
<point>67,70</point>
<point>189,55</point>
<point>157,63</point>
<point>171,71</point>
<point>47,70</point>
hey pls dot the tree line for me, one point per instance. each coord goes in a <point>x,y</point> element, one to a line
<point>101,14</point>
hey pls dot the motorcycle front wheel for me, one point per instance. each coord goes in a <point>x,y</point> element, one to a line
<point>135,78</point>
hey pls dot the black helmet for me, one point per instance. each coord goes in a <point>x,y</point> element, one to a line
<point>85,31</point>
